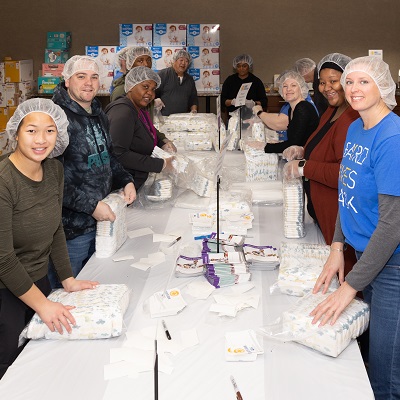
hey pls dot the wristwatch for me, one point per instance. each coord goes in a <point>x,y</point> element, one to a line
<point>301,165</point>
<point>260,112</point>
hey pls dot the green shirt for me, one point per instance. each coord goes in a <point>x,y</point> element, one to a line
<point>30,226</point>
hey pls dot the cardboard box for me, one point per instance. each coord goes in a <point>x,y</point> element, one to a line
<point>162,56</point>
<point>52,69</point>
<point>169,35</point>
<point>206,80</point>
<point>3,96</point>
<point>135,35</point>
<point>47,84</point>
<point>105,85</point>
<point>2,78</point>
<point>59,40</point>
<point>204,57</point>
<point>3,117</point>
<point>11,111</point>
<point>18,71</point>
<point>5,145</point>
<point>203,35</point>
<point>55,56</point>
<point>107,57</point>
<point>16,93</point>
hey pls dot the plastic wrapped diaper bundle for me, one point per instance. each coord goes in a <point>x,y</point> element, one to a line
<point>260,166</point>
<point>293,209</point>
<point>300,266</point>
<point>110,236</point>
<point>329,340</point>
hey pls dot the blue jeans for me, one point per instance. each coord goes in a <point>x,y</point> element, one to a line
<point>80,250</point>
<point>383,296</point>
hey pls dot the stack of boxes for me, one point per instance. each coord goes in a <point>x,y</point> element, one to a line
<point>56,55</point>
<point>203,45</point>
<point>16,86</point>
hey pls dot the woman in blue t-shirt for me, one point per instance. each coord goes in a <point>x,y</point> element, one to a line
<point>369,220</point>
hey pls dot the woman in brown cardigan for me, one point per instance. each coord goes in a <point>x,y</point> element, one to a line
<point>319,161</point>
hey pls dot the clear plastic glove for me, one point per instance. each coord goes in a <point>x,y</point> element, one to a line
<point>249,103</point>
<point>293,153</point>
<point>158,104</point>
<point>169,147</point>
<point>193,111</point>
<point>233,102</point>
<point>257,109</point>
<point>169,164</point>
<point>291,170</point>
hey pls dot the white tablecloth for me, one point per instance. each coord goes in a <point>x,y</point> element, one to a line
<point>74,370</point>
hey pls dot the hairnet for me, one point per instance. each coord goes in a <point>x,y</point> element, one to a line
<point>333,60</point>
<point>140,74</point>
<point>297,77</point>
<point>81,63</point>
<point>180,54</point>
<point>45,106</point>
<point>120,56</point>
<point>304,66</point>
<point>243,59</point>
<point>133,53</point>
<point>379,71</point>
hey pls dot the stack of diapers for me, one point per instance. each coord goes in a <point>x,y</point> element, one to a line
<point>260,166</point>
<point>99,313</point>
<point>293,209</point>
<point>110,236</point>
<point>300,267</point>
<point>329,340</point>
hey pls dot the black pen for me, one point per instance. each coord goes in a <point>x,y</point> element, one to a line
<point>166,330</point>
<point>175,241</point>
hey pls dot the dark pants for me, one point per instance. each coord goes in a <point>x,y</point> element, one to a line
<point>14,315</point>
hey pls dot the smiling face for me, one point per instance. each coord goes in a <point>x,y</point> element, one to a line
<point>291,90</point>
<point>361,92</point>
<point>181,65</point>
<point>142,94</point>
<point>83,87</point>
<point>242,70</point>
<point>330,87</point>
<point>36,137</point>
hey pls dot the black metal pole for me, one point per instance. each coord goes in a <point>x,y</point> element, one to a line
<point>218,182</point>
<point>156,372</point>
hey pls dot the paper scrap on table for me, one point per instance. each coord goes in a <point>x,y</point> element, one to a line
<point>143,359</point>
<point>200,289</point>
<point>123,258</point>
<point>242,288</point>
<point>138,340</point>
<point>242,346</point>
<point>150,261</point>
<point>239,302</point>
<point>189,338</point>
<point>139,232</point>
<point>224,309</point>
<point>141,265</point>
<point>159,237</point>
<point>119,370</point>
<point>169,302</point>
<point>165,364</point>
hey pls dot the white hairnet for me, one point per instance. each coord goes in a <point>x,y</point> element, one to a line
<point>335,61</point>
<point>304,65</point>
<point>120,56</point>
<point>297,77</point>
<point>45,106</point>
<point>82,63</point>
<point>379,71</point>
<point>182,54</point>
<point>133,53</point>
<point>140,74</point>
<point>243,59</point>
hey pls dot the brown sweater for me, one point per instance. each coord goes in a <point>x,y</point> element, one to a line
<point>30,226</point>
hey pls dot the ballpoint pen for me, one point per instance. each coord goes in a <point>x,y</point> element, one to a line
<point>175,241</point>
<point>235,387</point>
<point>166,330</point>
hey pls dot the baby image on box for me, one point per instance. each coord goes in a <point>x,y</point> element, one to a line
<point>168,61</point>
<point>139,35</point>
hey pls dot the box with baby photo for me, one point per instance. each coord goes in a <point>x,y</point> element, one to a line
<point>163,56</point>
<point>169,35</point>
<point>135,35</point>
<point>206,80</point>
<point>204,57</point>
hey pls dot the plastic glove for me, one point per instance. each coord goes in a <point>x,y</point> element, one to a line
<point>169,147</point>
<point>158,104</point>
<point>291,170</point>
<point>257,109</point>
<point>193,111</point>
<point>249,103</point>
<point>233,102</point>
<point>293,153</point>
<point>255,144</point>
